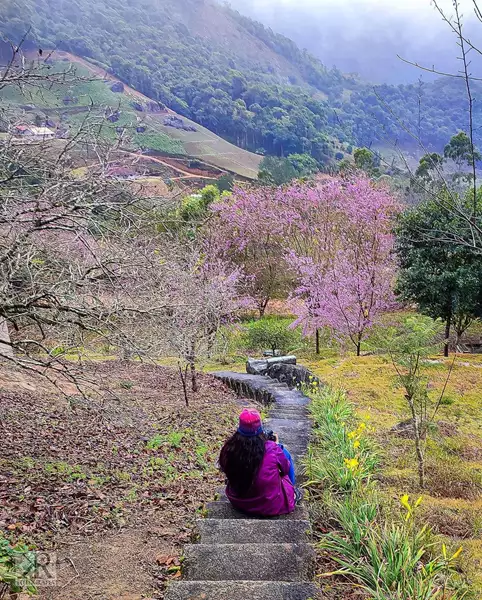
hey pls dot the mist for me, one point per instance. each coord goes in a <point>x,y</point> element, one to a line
<point>365,36</point>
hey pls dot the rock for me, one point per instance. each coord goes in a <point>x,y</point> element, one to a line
<point>291,374</point>
<point>118,86</point>
<point>256,367</point>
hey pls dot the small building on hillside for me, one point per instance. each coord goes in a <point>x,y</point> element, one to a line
<point>33,132</point>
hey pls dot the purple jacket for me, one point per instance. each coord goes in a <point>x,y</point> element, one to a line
<point>272,493</point>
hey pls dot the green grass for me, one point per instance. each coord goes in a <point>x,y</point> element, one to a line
<point>158,141</point>
<point>383,551</point>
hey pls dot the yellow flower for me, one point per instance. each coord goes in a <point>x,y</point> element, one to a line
<point>356,444</point>
<point>352,434</point>
<point>404,501</point>
<point>351,463</point>
<point>457,553</point>
<point>362,426</point>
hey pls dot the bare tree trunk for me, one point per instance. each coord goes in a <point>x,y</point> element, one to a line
<point>418,443</point>
<point>5,348</point>
<point>358,348</point>
<point>192,365</point>
<point>262,304</point>
<point>447,336</point>
<point>183,376</point>
<point>317,341</point>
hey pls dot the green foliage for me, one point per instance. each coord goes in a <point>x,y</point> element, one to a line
<point>367,161</point>
<point>409,344</point>
<point>276,171</point>
<point>271,333</point>
<point>409,341</point>
<point>17,564</point>
<point>271,103</point>
<point>194,208</point>
<point>389,560</point>
<point>392,562</point>
<point>441,275</point>
<point>460,149</point>
<point>429,165</point>
<point>65,470</point>
<point>159,142</point>
<point>304,164</point>
<point>172,439</point>
<point>344,457</point>
<point>225,182</point>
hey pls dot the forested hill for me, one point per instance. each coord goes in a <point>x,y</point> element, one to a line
<point>236,77</point>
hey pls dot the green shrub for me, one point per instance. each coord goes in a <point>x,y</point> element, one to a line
<point>390,562</point>
<point>17,564</point>
<point>342,456</point>
<point>195,207</point>
<point>273,333</point>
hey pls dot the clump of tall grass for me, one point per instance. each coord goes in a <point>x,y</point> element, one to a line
<point>390,558</point>
<point>342,456</point>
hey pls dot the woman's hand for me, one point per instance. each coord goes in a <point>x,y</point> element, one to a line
<point>276,437</point>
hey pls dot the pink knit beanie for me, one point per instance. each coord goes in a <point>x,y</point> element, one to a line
<point>250,423</point>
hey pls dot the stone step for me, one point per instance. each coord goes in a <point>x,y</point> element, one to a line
<point>249,562</point>
<point>301,425</point>
<point>296,452</point>
<point>289,398</point>
<point>241,590</point>
<point>224,510</point>
<point>247,531</point>
<point>288,412</point>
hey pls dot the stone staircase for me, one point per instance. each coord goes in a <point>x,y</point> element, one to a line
<point>239,557</point>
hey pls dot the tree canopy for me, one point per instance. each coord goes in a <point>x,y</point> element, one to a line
<point>260,91</point>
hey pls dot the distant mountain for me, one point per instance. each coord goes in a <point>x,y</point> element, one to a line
<point>239,79</point>
<point>366,36</point>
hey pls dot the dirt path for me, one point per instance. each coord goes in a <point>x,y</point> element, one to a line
<point>186,174</point>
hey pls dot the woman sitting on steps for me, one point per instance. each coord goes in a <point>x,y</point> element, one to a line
<point>259,471</point>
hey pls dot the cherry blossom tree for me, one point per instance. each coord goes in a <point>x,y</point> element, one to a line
<point>249,227</point>
<point>346,273</point>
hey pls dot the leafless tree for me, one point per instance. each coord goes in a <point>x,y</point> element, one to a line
<point>75,262</point>
<point>449,193</point>
<point>200,296</point>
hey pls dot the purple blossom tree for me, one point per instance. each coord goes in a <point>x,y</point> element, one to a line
<point>347,268</point>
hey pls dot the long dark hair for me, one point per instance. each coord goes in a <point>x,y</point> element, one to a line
<point>240,460</point>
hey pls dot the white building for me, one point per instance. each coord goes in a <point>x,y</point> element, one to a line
<point>33,132</point>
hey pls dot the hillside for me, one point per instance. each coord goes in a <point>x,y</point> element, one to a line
<point>238,79</point>
<point>123,114</point>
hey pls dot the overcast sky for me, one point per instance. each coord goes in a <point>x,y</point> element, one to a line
<point>365,36</point>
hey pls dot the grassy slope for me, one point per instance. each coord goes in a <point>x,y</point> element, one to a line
<point>202,143</point>
<point>453,501</point>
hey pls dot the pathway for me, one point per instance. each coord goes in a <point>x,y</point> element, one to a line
<point>241,557</point>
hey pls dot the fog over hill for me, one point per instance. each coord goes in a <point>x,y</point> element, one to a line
<point>365,36</point>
